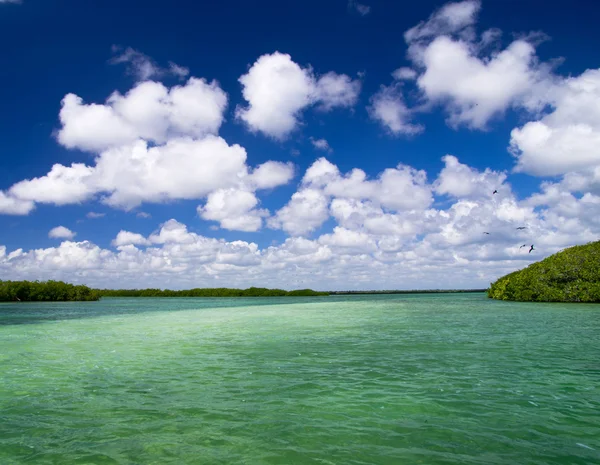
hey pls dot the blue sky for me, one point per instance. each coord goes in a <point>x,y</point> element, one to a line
<point>235,126</point>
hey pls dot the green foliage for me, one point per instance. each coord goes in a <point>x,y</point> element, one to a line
<point>49,291</point>
<point>211,292</point>
<point>572,275</point>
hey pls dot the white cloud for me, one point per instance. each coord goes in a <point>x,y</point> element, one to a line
<point>11,1</point>
<point>321,144</point>
<point>566,139</point>
<point>277,90</point>
<point>352,242</point>
<point>398,189</point>
<point>234,209</point>
<point>388,108</point>
<point>462,181</point>
<point>361,9</point>
<point>61,186</point>
<point>143,67</point>
<point>271,174</point>
<point>304,213</point>
<point>143,215</point>
<point>404,74</point>
<point>132,174</point>
<point>10,205</point>
<point>475,90</point>
<point>150,111</point>
<point>60,232</point>
<point>387,235</point>
<point>471,78</point>
<point>129,238</point>
<point>95,215</point>
<point>336,90</point>
<point>449,19</point>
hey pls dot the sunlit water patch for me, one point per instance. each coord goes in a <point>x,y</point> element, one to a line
<point>431,379</point>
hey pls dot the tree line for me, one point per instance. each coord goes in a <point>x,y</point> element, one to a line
<point>47,291</point>
<point>55,291</point>
<point>209,292</point>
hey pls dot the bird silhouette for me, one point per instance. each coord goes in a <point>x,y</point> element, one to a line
<point>486,233</point>
<point>522,227</point>
<point>524,245</point>
<point>495,192</point>
<point>531,248</point>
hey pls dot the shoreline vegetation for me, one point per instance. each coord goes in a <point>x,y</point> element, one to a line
<point>571,275</point>
<point>58,291</point>
<point>46,291</point>
<point>413,291</point>
<point>210,292</point>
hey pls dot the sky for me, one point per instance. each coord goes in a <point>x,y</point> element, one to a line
<point>331,144</point>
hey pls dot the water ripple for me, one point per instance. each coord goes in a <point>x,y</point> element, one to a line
<point>386,380</point>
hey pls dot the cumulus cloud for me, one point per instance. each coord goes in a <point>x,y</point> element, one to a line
<point>462,181</point>
<point>10,205</point>
<point>352,242</point>
<point>60,232</point>
<point>61,186</point>
<point>149,111</point>
<point>271,174</point>
<point>336,90</point>
<point>388,108</point>
<point>129,238</point>
<point>305,212</point>
<point>386,233</point>
<point>277,90</point>
<point>142,67</point>
<point>472,78</point>
<point>422,249</point>
<point>233,209</point>
<point>396,189</point>
<point>566,139</point>
<point>133,174</point>
<point>321,144</point>
<point>475,90</point>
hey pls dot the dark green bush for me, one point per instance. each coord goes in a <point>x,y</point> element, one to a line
<point>572,275</point>
<point>48,291</point>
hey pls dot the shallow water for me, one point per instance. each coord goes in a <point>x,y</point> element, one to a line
<point>404,379</point>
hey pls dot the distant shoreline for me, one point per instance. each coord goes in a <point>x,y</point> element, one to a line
<point>58,291</point>
<point>422,291</point>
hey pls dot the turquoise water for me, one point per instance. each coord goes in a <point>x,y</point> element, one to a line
<point>409,379</point>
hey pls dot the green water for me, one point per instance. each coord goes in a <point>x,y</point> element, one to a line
<point>430,379</point>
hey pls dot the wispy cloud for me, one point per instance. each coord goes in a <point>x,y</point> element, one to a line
<point>361,9</point>
<point>94,215</point>
<point>142,66</point>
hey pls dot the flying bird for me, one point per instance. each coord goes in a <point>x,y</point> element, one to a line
<point>486,233</point>
<point>495,192</point>
<point>522,227</point>
<point>524,245</point>
<point>531,248</point>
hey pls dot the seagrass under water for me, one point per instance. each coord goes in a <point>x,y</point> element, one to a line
<point>431,379</point>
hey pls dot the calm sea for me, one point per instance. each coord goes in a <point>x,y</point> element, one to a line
<point>400,379</point>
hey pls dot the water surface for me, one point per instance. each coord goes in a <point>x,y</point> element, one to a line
<point>431,379</point>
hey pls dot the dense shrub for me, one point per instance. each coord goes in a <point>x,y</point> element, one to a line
<point>572,275</point>
<point>36,291</point>
<point>210,292</point>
